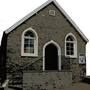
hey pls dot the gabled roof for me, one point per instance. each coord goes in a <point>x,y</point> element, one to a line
<point>38,9</point>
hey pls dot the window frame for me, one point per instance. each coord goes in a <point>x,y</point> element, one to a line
<point>35,54</point>
<point>52,12</point>
<point>75,46</point>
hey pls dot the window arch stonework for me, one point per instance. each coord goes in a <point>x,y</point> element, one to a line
<point>29,44</point>
<point>70,46</point>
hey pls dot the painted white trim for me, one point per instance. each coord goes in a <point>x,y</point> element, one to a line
<point>59,54</point>
<point>35,43</point>
<point>38,9</point>
<point>75,46</point>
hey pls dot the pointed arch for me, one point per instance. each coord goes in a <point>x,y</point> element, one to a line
<point>71,34</point>
<point>59,53</point>
<point>29,43</point>
<point>70,45</point>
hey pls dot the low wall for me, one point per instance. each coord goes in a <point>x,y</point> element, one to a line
<point>51,80</point>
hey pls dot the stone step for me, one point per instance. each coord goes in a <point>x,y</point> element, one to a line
<point>15,80</point>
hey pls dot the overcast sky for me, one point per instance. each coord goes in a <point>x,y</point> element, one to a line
<point>12,11</point>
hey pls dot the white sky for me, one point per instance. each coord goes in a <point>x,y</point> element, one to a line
<point>13,10</point>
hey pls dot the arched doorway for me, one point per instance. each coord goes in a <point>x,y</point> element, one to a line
<point>51,56</point>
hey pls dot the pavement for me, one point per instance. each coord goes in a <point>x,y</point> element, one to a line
<point>79,86</point>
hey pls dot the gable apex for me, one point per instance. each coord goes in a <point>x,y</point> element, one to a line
<point>41,7</point>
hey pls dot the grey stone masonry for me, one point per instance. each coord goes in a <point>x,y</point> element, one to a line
<point>46,80</point>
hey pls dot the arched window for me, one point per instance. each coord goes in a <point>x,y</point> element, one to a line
<point>70,46</point>
<point>29,43</point>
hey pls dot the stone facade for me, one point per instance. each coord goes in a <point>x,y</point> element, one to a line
<point>48,28</point>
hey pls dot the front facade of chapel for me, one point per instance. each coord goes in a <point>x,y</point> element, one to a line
<point>44,50</point>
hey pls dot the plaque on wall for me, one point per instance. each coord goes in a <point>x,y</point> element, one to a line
<point>82,59</point>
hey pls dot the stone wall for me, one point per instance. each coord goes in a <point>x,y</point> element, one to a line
<point>49,80</point>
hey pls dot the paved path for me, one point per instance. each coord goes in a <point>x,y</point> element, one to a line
<point>79,86</point>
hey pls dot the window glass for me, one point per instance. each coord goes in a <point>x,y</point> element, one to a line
<point>29,34</point>
<point>69,38</point>
<point>69,46</point>
<point>29,42</point>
